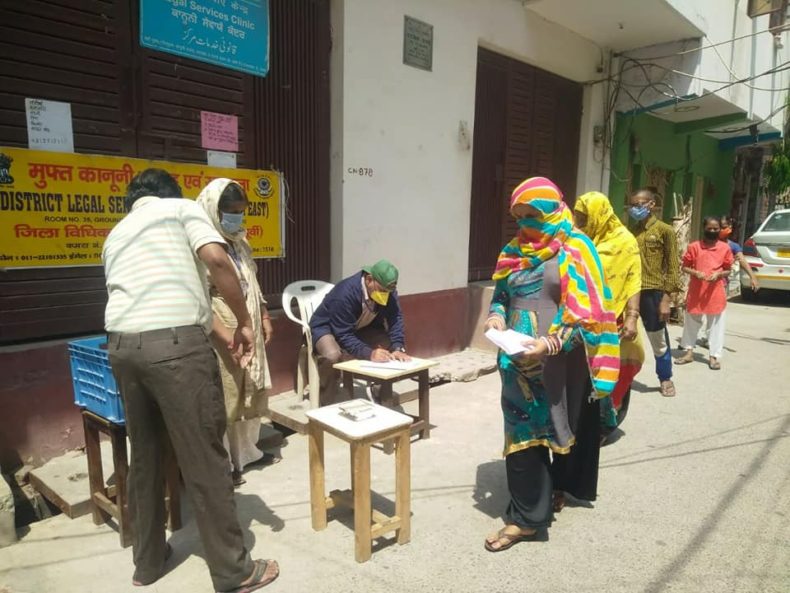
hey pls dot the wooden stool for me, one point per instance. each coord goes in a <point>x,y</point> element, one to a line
<point>110,501</point>
<point>381,374</point>
<point>369,524</point>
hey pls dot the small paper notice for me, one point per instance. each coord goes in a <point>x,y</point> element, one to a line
<point>219,131</point>
<point>49,125</point>
<point>217,158</point>
<point>510,341</point>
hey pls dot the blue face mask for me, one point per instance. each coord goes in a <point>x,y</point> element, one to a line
<point>231,223</point>
<point>639,212</point>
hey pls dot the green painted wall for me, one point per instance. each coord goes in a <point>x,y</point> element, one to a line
<point>652,142</point>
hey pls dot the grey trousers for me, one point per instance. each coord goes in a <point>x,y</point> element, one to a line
<point>170,384</point>
<point>328,353</point>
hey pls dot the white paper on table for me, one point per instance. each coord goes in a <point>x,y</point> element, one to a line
<point>391,365</point>
<point>510,341</point>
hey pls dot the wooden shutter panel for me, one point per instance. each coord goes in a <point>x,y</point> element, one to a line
<point>77,51</point>
<point>173,92</point>
<point>294,138</point>
<point>131,101</point>
<point>527,123</point>
<point>488,183</point>
<point>73,51</point>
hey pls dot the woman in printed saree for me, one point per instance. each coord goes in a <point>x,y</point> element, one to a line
<point>622,265</point>
<point>550,286</point>
<point>224,201</point>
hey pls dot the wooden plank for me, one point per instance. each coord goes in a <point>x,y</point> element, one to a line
<point>19,38</point>
<point>403,486</point>
<point>105,504</point>
<point>72,511</point>
<point>379,517</point>
<point>362,511</point>
<point>51,313</point>
<point>95,470</point>
<point>424,392</point>
<point>383,527</point>
<point>315,436</point>
<point>85,297</point>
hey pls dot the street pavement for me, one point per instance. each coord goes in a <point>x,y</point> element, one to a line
<point>693,497</point>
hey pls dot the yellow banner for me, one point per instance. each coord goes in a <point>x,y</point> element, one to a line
<point>56,209</point>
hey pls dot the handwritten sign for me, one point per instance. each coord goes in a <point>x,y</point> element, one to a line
<point>49,125</point>
<point>219,131</point>
<point>229,33</point>
<point>56,209</point>
<point>417,43</point>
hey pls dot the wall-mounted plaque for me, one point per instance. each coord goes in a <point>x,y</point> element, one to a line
<point>417,43</point>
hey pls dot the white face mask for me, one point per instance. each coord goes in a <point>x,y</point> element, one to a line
<point>231,223</point>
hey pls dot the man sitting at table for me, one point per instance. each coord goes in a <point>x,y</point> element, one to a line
<point>359,318</point>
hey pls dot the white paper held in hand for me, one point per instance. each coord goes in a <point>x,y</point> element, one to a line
<point>510,341</point>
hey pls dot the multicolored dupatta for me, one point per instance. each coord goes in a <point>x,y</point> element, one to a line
<point>585,300</point>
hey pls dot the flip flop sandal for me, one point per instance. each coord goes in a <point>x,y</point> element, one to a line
<point>168,553</point>
<point>238,479</point>
<point>714,365</point>
<point>685,359</point>
<point>511,540</point>
<point>267,459</point>
<point>668,389</point>
<point>258,578</point>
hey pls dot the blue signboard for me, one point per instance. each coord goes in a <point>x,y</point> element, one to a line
<point>229,33</point>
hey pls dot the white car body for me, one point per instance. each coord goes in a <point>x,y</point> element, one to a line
<point>768,253</point>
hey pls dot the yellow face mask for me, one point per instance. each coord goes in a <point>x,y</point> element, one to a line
<point>380,296</point>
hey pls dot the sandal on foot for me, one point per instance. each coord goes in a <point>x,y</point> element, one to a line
<point>687,357</point>
<point>714,364</point>
<point>558,500</point>
<point>168,553</point>
<point>510,539</point>
<point>263,573</point>
<point>267,459</point>
<point>238,479</point>
<point>668,389</point>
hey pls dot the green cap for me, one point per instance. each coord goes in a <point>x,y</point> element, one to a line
<point>384,273</point>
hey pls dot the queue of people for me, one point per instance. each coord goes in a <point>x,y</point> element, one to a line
<point>577,292</point>
<point>188,328</point>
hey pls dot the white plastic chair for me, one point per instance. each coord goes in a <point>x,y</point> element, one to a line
<point>308,295</point>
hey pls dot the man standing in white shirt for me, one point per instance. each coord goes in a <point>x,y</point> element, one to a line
<point>158,319</point>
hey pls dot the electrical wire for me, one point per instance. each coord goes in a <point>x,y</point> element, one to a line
<point>780,68</point>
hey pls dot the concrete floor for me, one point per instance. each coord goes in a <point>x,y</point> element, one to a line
<point>694,497</point>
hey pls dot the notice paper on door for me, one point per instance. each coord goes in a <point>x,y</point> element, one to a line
<point>510,341</point>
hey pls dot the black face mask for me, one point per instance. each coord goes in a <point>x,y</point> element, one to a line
<point>711,235</point>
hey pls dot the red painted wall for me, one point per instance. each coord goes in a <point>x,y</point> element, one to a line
<point>38,418</point>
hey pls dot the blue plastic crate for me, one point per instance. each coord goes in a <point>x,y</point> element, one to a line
<point>94,384</point>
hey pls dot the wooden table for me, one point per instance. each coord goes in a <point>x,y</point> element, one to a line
<point>110,501</point>
<point>369,524</point>
<point>418,367</point>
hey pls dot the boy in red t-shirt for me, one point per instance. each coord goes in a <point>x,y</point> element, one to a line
<point>707,262</point>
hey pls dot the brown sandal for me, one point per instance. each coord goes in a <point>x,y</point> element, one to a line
<point>558,501</point>
<point>687,357</point>
<point>510,539</point>
<point>714,364</point>
<point>667,388</point>
<point>259,576</point>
